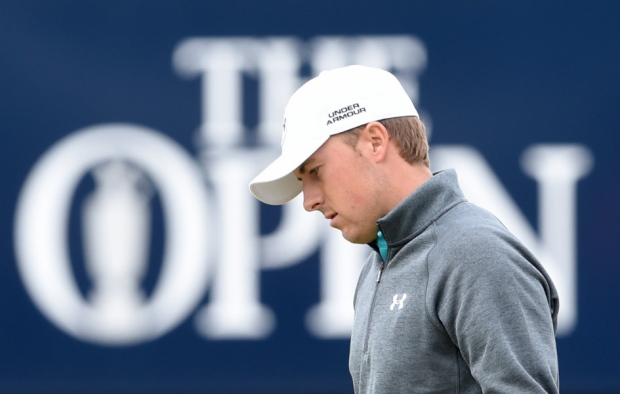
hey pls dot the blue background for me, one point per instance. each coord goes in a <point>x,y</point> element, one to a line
<point>501,76</point>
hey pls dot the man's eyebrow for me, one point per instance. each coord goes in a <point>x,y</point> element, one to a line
<point>302,167</point>
<point>302,170</point>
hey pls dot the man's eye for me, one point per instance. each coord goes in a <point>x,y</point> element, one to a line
<point>314,171</point>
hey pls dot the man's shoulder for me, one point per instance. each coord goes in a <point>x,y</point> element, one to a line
<point>467,222</point>
<point>468,233</point>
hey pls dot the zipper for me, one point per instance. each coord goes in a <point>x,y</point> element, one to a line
<point>381,267</point>
<point>372,308</point>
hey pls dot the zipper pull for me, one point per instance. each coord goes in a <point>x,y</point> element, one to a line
<point>380,272</point>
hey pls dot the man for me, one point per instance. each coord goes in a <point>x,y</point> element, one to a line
<point>450,302</point>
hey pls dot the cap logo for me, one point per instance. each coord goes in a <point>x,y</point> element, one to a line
<point>345,112</point>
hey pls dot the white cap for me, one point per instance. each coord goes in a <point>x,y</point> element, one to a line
<point>333,102</point>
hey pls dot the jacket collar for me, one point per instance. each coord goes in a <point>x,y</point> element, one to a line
<point>421,208</point>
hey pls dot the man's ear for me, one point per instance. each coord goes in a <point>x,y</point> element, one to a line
<point>378,137</point>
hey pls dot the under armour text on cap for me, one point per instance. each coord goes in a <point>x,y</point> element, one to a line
<point>331,103</point>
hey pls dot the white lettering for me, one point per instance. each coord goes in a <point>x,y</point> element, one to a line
<point>41,231</point>
<point>557,170</point>
<point>234,310</point>
<point>230,154</point>
<point>221,63</point>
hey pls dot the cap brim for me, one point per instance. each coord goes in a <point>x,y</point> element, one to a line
<point>276,184</point>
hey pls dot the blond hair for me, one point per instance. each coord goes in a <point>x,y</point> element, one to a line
<point>409,134</point>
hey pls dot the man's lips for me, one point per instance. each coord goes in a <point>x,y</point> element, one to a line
<point>331,218</point>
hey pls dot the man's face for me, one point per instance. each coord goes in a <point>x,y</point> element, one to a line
<point>341,182</point>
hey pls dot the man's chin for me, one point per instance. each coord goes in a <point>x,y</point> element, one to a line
<point>357,238</point>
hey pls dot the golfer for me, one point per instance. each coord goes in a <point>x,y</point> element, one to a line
<point>449,301</point>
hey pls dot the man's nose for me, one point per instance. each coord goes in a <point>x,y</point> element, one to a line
<point>312,198</point>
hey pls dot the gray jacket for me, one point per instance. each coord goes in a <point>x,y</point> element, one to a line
<point>460,305</point>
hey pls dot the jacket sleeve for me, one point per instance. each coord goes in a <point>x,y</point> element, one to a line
<point>498,307</point>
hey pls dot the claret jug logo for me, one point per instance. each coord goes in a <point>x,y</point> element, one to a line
<point>210,188</point>
<point>115,221</point>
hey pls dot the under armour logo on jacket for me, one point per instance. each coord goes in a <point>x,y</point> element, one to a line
<point>396,301</point>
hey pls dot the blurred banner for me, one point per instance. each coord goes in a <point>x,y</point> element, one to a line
<point>135,260</point>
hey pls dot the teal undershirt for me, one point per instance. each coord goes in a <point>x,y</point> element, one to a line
<point>382,244</point>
